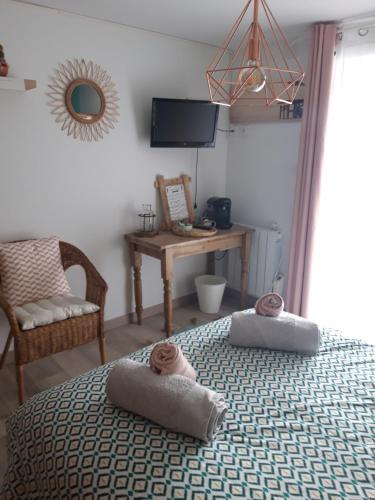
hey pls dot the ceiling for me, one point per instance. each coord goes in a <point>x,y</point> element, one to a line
<point>207,21</point>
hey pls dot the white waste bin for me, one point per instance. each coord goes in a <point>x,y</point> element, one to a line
<point>210,290</point>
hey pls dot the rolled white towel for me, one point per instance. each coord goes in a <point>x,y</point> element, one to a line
<point>286,332</point>
<point>176,402</point>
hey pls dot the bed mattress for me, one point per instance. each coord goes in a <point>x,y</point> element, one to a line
<point>298,427</point>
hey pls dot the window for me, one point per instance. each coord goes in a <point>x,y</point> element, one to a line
<point>342,293</point>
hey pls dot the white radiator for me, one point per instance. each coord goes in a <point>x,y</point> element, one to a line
<point>265,259</point>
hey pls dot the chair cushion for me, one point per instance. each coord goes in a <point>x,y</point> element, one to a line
<point>32,270</point>
<point>47,311</point>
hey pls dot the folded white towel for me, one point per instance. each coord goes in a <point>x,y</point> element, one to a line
<point>173,401</point>
<point>286,332</point>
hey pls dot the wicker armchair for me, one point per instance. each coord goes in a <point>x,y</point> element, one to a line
<point>45,340</point>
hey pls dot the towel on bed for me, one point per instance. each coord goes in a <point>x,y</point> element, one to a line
<point>167,358</point>
<point>173,401</point>
<point>286,332</point>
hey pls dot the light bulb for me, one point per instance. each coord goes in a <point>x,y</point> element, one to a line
<point>253,75</point>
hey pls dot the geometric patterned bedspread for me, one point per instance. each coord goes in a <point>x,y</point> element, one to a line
<point>298,427</point>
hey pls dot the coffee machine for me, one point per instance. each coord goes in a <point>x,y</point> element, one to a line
<point>218,210</point>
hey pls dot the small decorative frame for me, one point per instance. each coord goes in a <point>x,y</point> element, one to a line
<point>65,79</point>
<point>175,198</point>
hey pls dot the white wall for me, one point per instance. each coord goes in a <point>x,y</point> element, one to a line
<point>262,167</point>
<point>88,194</point>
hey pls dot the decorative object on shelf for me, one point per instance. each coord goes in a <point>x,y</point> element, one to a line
<point>263,66</point>
<point>83,99</point>
<point>4,66</point>
<point>176,200</point>
<point>146,222</point>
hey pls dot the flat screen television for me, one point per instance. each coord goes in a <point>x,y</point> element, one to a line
<point>182,123</point>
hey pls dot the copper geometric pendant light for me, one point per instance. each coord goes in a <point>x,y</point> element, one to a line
<point>256,64</point>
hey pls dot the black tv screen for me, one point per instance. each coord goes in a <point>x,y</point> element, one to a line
<point>178,123</point>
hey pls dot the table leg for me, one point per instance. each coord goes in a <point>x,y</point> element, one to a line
<point>245,257</point>
<point>136,262</point>
<point>167,275</point>
<point>211,263</point>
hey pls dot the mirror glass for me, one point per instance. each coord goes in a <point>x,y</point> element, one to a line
<point>86,101</point>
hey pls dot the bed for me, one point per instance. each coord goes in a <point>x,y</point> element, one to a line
<point>297,427</point>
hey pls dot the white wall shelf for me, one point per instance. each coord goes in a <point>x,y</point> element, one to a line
<point>17,84</point>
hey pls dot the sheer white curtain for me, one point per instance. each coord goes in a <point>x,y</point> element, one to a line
<point>342,293</point>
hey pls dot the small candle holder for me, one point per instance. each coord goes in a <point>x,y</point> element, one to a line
<point>146,222</point>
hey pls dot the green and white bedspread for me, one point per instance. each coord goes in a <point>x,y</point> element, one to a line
<point>298,427</point>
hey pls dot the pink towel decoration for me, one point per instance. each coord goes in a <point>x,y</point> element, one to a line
<point>167,358</point>
<point>270,304</point>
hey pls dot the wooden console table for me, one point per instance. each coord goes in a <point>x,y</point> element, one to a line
<point>166,247</point>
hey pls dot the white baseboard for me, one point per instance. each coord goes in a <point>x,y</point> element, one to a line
<point>126,319</point>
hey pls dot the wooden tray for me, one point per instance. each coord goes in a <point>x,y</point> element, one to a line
<point>194,233</point>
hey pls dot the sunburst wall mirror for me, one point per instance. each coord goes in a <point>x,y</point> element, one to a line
<point>84,100</point>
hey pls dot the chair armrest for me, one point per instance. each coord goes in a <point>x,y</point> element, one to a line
<point>9,313</point>
<point>96,287</point>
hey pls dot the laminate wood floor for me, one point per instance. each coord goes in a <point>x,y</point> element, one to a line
<point>48,372</point>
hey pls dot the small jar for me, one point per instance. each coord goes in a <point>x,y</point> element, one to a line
<point>146,219</point>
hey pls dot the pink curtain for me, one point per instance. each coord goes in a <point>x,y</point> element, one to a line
<point>309,166</point>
